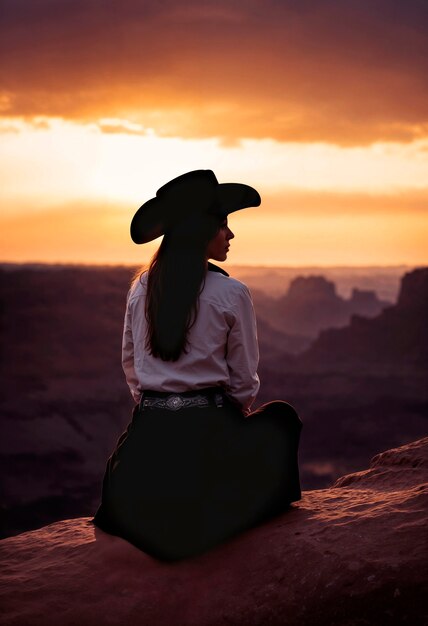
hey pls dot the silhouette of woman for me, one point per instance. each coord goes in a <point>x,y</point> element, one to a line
<point>195,465</point>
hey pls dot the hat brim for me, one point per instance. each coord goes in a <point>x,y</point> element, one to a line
<point>236,196</point>
<point>154,217</point>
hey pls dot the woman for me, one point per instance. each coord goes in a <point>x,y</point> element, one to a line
<point>195,466</point>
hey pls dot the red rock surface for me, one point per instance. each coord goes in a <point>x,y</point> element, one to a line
<point>353,554</point>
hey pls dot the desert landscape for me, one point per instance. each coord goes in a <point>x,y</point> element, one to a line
<point>356,373</point>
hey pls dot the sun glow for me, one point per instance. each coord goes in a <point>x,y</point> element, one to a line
<point>81,183</point>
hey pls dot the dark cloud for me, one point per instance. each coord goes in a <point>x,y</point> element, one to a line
<point>351,72</point>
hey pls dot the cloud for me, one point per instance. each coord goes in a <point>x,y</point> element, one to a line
<point>345,72</point>
<point>117,127</point>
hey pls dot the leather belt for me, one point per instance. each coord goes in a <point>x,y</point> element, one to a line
<point>177,401</point>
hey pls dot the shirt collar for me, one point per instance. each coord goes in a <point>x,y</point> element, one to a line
<point>216,268</point>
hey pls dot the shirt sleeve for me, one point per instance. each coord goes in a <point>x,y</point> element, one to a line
<point>128,353</point>
<point>243,352</point>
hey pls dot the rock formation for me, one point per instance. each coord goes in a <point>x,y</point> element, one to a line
<point>394,341</point>
<point>311,304</point>
<point>353,554</point>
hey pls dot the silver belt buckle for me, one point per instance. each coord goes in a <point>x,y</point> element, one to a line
<point>174,403</point>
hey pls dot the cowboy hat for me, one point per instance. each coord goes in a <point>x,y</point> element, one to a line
<point>194,192</point>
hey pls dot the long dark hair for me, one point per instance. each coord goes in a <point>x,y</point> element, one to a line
<point>176,277</point>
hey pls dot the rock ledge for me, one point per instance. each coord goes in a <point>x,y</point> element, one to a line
<point>352,554</point>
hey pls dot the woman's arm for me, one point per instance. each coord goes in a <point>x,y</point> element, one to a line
<point>242,354</point>
<point>128,353</point>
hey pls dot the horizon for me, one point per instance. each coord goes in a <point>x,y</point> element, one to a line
<point>220,264</point>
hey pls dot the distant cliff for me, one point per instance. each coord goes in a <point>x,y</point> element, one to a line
<point>396,340</point>
<point>312,304</point>
<point>360,387</point>
<point>353,554</point>
<point>274,343</point>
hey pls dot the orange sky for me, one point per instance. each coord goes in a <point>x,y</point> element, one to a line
<point>320,105</point>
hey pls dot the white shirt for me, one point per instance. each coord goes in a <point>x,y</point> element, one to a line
<point>222,344</point>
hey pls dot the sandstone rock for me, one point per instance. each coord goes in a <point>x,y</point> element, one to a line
<point>352,554</point>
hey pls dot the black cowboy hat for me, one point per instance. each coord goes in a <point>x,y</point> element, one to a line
<point>195,192</point>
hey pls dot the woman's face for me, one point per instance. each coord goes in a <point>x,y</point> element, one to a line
<point>219,245</point>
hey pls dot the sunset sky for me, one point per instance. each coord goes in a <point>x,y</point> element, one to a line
<point>322,105</point>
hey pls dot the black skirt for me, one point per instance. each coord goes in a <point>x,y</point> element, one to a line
<point>181,482</point>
